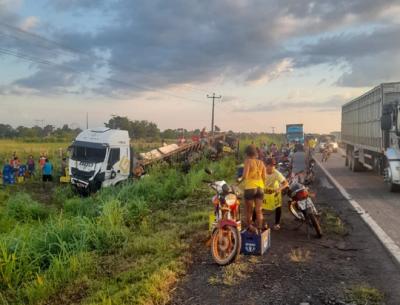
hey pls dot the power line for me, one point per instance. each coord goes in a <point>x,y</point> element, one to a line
<point>76,51</point>
<point>50,63</point>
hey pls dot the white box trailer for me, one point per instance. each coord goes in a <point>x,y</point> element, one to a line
<point>371,132</point>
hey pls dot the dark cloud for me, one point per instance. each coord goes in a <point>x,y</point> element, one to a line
<point>372,56</point>
<point>158,43</point>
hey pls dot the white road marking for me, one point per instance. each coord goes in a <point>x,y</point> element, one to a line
<point>385,239</point>
<point>325,183</point>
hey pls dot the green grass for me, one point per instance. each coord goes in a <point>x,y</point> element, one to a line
<point>365,295</point>
<point>332,223</point>
<point>124,245</point>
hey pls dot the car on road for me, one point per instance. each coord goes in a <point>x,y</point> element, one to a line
<point>328,141</point>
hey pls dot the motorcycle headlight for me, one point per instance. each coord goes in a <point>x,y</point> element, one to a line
<point>230,199</point>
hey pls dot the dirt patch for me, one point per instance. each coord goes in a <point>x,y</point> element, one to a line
<point>298,269</point>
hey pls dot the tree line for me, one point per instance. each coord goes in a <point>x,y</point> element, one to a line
<point>144,129</point>
<point>37,133</point>
<point>138,129</point>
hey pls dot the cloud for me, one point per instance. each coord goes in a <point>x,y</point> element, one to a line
<point>332,104</point>
<point>29,23</point>
<point>371,56</point>
<point>155,44</point>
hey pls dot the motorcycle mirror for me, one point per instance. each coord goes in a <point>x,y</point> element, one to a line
<point>208,171</point>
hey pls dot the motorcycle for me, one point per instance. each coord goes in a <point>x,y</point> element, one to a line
<point>310,173</point>
<point>225,238</point>
<point>285,167</point>
<point>301,205</point>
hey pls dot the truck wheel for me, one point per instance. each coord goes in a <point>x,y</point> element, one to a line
<point>356,166</point>
<point>392,187</point>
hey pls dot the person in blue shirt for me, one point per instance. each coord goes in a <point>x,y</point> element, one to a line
<point>47,171</point>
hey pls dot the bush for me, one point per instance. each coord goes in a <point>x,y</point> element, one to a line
<point>62,193</point>
<point>81,207</point>
<point>21,207</point>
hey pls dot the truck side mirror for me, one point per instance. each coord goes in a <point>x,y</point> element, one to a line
<point>398,121</point>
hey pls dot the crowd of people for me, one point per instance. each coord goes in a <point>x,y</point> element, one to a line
<point>263,184</point>
<point>32,167</point>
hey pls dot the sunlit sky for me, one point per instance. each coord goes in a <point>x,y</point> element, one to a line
<point>273,62</point>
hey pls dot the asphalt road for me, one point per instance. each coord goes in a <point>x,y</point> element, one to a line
<point>370,191</point>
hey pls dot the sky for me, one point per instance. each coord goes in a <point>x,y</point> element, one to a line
<point>273,62</point>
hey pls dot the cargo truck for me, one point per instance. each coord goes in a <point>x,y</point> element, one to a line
<point>371,132</point>
<point>103,157</point>
<point>295,135</point>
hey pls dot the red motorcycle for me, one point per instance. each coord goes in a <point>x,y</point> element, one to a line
<point>225,239</point>
<point>301,205</point>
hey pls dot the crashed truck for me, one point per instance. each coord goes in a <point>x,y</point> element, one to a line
<point>371,132</point>
<point>103,157</point>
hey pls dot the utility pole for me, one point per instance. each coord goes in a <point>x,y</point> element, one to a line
<point>273,129</point>
<point>212,114</point>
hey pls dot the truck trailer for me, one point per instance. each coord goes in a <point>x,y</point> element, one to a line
<point>371,132</point>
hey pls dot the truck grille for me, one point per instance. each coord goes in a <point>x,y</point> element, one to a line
<point>78,174</point>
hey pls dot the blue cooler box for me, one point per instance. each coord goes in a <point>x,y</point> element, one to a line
<point>254,244</point>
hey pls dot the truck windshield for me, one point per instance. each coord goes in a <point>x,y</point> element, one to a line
<point>88,154</point>
<point>294,135</point>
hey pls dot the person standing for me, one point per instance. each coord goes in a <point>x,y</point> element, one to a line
<point>275,182</point>
<point>47,171</point>
<point>30,164</point>
<point>254,175</point>
<point>15,164</point>
<point>42,161</point>
<point>64,166</point>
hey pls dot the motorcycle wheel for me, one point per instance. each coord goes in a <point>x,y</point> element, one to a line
<point>225,245</point>
<point>295,212</point>
<point>315,223</point>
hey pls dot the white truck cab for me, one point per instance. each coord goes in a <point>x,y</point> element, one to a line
<point>100,157</point>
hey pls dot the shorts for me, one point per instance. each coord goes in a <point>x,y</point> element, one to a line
<point>47,178</point>
<point>253,194</point>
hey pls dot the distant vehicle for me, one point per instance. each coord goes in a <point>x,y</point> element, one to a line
<point>295,134</point>
<point>103,157</point>
<point>327,141</point>
<point>337,135</point>
<point>371,132</point>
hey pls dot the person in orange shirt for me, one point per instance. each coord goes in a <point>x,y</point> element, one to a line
<point>254,174</point>
<point>42,161</point>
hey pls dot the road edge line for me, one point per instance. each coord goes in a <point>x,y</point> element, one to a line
<point>383,237</point>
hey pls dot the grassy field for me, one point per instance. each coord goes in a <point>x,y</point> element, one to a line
<point>124,245</point>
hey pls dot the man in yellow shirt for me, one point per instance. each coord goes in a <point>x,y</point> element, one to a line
<point>275,182</point>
